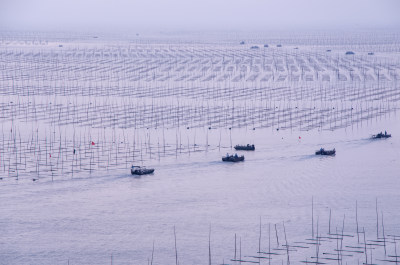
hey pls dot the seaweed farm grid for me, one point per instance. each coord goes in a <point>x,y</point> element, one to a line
<point>80,109</point>
<point>70,95</point>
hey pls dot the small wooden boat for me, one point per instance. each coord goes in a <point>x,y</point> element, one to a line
<point>232,158</point>
<point>381,135</point>
<point>245,147</point>
<point>324,152</point>
<point>136,170</point>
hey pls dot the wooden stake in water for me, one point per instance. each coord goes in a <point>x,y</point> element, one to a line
<point>287,245</point>
<point>176,250</point>
<point>209,247</point>
<point>269,244</point>
<point>259,239</point>
<point>337,247</point>
<point>358,236</point>
<point>152,254</point>
<point>317,245</point>
<point>312,216</point>
<point>277,239</point>
<point>377,218</point>
<point>235,248</point>
<point>341,240</point>
<point>240,250</point>
<point>383,233</point>
<point>365,248</point>
<point>330,215</point>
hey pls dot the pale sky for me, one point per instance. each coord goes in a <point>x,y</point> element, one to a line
<point>198,15</point>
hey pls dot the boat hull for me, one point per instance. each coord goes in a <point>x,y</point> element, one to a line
<point>142,171</point>
<point>325,152</point>
<point>233,159</point>
<point>245,148</point>
<point>381,136</point>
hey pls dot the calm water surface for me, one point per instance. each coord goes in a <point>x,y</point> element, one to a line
<point>89,219</point>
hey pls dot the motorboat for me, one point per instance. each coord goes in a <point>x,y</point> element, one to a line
<point>324,152</point>
<point>233,158</point>
<point>137,170</point>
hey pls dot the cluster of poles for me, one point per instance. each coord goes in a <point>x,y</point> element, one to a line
<point>346,242</point>
<point>147,99</point>
<point>68,109</point>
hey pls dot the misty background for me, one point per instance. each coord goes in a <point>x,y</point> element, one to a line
<point>198,15</point>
